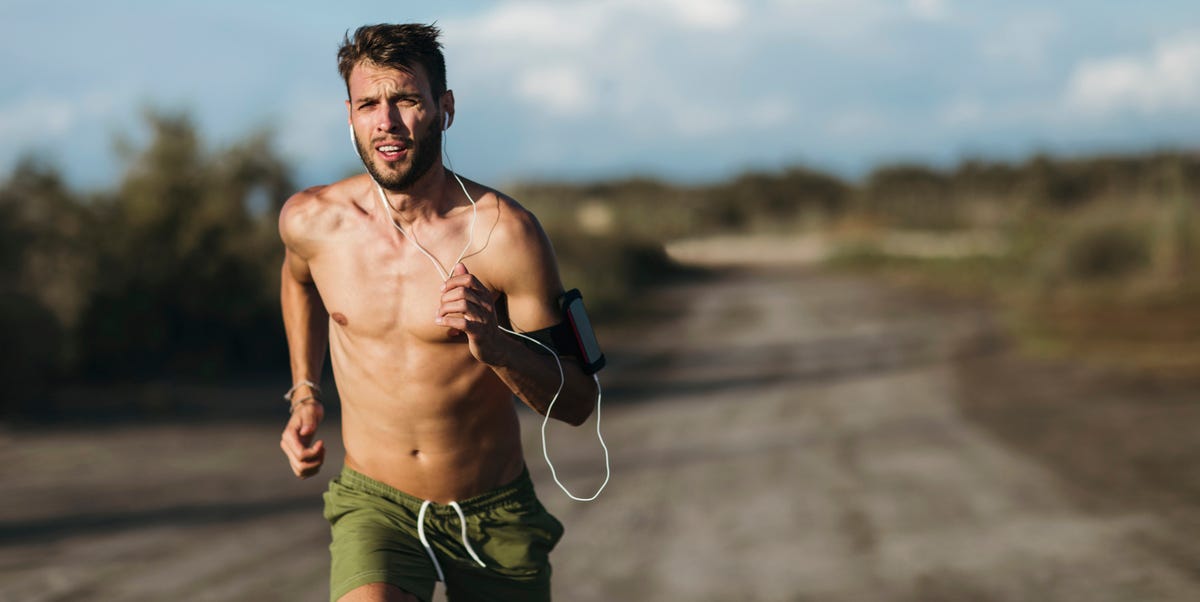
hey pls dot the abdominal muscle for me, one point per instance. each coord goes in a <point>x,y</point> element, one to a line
<point>425,417</point>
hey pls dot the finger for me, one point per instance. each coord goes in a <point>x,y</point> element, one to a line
<point>312,467</point>
<point>454,307</point>
<point>293,462</point>
<point>307,468</point>
<point>478,294</point>
<point>310,453</point>
<point>310,471</point>
<point>480,297</point>
<point>472,311</point>
<point>292,441</point>
<point>458,323</point>
<point>462,278</point>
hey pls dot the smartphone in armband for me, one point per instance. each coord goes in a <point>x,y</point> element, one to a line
<point>591,358</point>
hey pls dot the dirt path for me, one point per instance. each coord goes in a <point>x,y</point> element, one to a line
<point>776,435</point>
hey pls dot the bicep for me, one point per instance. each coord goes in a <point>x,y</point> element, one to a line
<point>533,286</point>
<point>296,267</point>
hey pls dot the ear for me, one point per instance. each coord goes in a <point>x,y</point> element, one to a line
<point>349,113</point>
<point>447,105</point>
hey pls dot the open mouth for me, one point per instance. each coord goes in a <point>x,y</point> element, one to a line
<point>391,151</point>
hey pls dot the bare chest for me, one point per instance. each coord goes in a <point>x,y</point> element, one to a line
<point>377,289</point>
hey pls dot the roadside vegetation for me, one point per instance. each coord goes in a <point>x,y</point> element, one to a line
<point>172,275</point>
<point>1093,258</point>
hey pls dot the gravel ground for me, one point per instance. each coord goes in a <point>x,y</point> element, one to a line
<point>776,434</point>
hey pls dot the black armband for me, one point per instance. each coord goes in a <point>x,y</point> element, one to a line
<point>573,336</point>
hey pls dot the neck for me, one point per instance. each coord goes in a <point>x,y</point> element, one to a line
<point>428,206</point>
<point>424,200</point>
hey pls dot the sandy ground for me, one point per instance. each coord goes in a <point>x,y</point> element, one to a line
<point>776,434</point>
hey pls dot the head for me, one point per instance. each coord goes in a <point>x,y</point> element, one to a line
<point>395,79</point>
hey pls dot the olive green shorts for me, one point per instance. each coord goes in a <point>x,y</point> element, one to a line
<point>375,539</point>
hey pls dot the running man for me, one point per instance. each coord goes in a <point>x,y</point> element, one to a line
<point>405,274</point>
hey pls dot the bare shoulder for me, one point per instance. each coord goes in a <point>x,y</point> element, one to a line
<point>517,254</point>
<point>513,223</point>
<point>512,229</point>
<point>314,212</point>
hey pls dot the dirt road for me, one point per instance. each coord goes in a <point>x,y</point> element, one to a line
<point>776,434</point>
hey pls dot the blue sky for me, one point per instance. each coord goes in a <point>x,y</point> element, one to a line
<point>690,90</point>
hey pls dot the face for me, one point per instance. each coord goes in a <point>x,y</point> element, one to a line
<point>397,124</point>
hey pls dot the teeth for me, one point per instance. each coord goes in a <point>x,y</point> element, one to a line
<point>389,149</point>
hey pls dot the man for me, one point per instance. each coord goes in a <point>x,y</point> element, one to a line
<point>425,375</point>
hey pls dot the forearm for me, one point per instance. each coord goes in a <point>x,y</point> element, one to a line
<point>307,325</point>
<point>534,377</point>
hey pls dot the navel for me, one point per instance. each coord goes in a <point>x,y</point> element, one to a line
<point>339,318</point>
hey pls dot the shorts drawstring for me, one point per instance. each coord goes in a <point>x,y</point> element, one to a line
<point>462,519</point>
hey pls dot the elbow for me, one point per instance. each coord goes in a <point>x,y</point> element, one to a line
<point>575,413</point>
<point>575,408</point>
<point>577,417</point>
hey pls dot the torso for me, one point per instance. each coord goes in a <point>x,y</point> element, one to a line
<point>418,411</point>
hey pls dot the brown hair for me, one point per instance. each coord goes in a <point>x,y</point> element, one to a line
<point>401,47</point>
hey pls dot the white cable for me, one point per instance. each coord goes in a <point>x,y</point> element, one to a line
<point>462,520</point>
<point>470,232</point>
<point>562,378</point>
<point>424,542</point>
<point>545,421</point>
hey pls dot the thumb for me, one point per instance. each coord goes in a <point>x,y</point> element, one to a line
<point>307,427</point>
<point>459,269</point>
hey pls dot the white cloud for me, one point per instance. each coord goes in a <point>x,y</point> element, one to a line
<point>856,122</point>
<point>538,24</point>
<point>962,112</point>
<point>563,89</point>
<point>708,14</point>
<point>1024,39</point>
<point>617,61</point>
<point>32,117</point>
<point>929,10</point>
<point>771,112</point>
<point>35,117</point>
<point>1166,80</point>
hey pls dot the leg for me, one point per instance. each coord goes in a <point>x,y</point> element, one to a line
<point>375,554</point>
<point>378,592</point>
<point>515,538</point>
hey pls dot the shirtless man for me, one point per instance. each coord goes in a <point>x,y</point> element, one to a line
<point>425,376</point>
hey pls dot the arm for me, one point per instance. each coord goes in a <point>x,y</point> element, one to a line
<point>307,325</point>
<point>532,286</point>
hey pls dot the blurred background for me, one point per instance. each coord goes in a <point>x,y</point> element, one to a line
<point>819,237</point>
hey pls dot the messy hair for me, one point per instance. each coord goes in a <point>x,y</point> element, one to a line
<point>403,47</point>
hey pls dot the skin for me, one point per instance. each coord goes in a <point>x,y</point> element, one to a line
<point>425,376</point>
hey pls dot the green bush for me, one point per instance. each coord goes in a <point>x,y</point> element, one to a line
<point>1105,251</point>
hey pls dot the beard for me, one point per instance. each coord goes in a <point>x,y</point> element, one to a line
<point>422,152</point>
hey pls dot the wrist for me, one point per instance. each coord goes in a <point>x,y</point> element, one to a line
<point>305,400</point>
<point>301,393</point>
<point>501,352</point>
<point>301,389</point>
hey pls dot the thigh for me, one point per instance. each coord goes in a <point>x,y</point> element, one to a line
<point>374,543</point>
<point>515,543</point>
<point>378,592</point>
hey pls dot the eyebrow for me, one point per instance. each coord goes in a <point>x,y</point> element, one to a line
<point>401,96</point>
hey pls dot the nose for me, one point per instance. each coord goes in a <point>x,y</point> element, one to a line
<point>388,121</point>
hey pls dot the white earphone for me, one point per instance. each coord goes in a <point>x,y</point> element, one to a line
<point>385,205</point>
